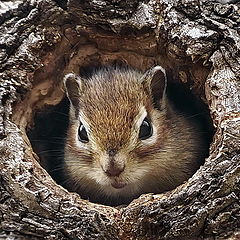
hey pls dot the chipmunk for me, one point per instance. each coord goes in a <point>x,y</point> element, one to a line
<point>125,138</point>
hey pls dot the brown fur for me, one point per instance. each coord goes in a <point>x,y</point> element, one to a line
<point>110,103</point>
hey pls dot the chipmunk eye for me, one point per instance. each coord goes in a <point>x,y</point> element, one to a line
<point>145,129</point>
<point>82,134</point>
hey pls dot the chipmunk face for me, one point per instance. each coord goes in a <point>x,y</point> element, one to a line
<point>117,126</point>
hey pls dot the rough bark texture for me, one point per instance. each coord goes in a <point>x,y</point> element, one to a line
<point>197,40</point>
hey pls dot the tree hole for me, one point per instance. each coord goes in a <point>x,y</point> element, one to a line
<point>50,128</point>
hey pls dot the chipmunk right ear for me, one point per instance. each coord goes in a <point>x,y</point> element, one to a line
<point>74,87</point>
<point>155,83</point>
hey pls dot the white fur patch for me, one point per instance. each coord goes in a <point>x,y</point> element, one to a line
<point>141,115</point>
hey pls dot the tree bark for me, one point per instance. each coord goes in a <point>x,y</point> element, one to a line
<point>42,40</point>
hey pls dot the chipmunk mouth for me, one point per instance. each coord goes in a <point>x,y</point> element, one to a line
<point>118,184</point>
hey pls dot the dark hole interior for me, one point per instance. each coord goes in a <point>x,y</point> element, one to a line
<point>51,124</point>
<point>47,137</point>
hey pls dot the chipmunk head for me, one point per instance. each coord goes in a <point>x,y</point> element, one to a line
<point>116,126</point>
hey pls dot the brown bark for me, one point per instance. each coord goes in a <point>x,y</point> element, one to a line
<point>41,40</point>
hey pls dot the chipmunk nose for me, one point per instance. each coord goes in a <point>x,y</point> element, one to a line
<point>113,168</point>
<point>114,171</point>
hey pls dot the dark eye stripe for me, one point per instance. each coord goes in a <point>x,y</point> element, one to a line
<point>82,134</point>
<point>145,130</point>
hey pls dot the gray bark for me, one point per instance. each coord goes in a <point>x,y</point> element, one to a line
<point>41,40</point>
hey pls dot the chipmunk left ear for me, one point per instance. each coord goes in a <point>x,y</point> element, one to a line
<point>155,83</point>
<point>74,86</point>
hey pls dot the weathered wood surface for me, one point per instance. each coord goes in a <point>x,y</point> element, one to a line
<point>40,40</point>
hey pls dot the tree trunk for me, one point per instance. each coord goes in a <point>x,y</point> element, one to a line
<point>42,40</point>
